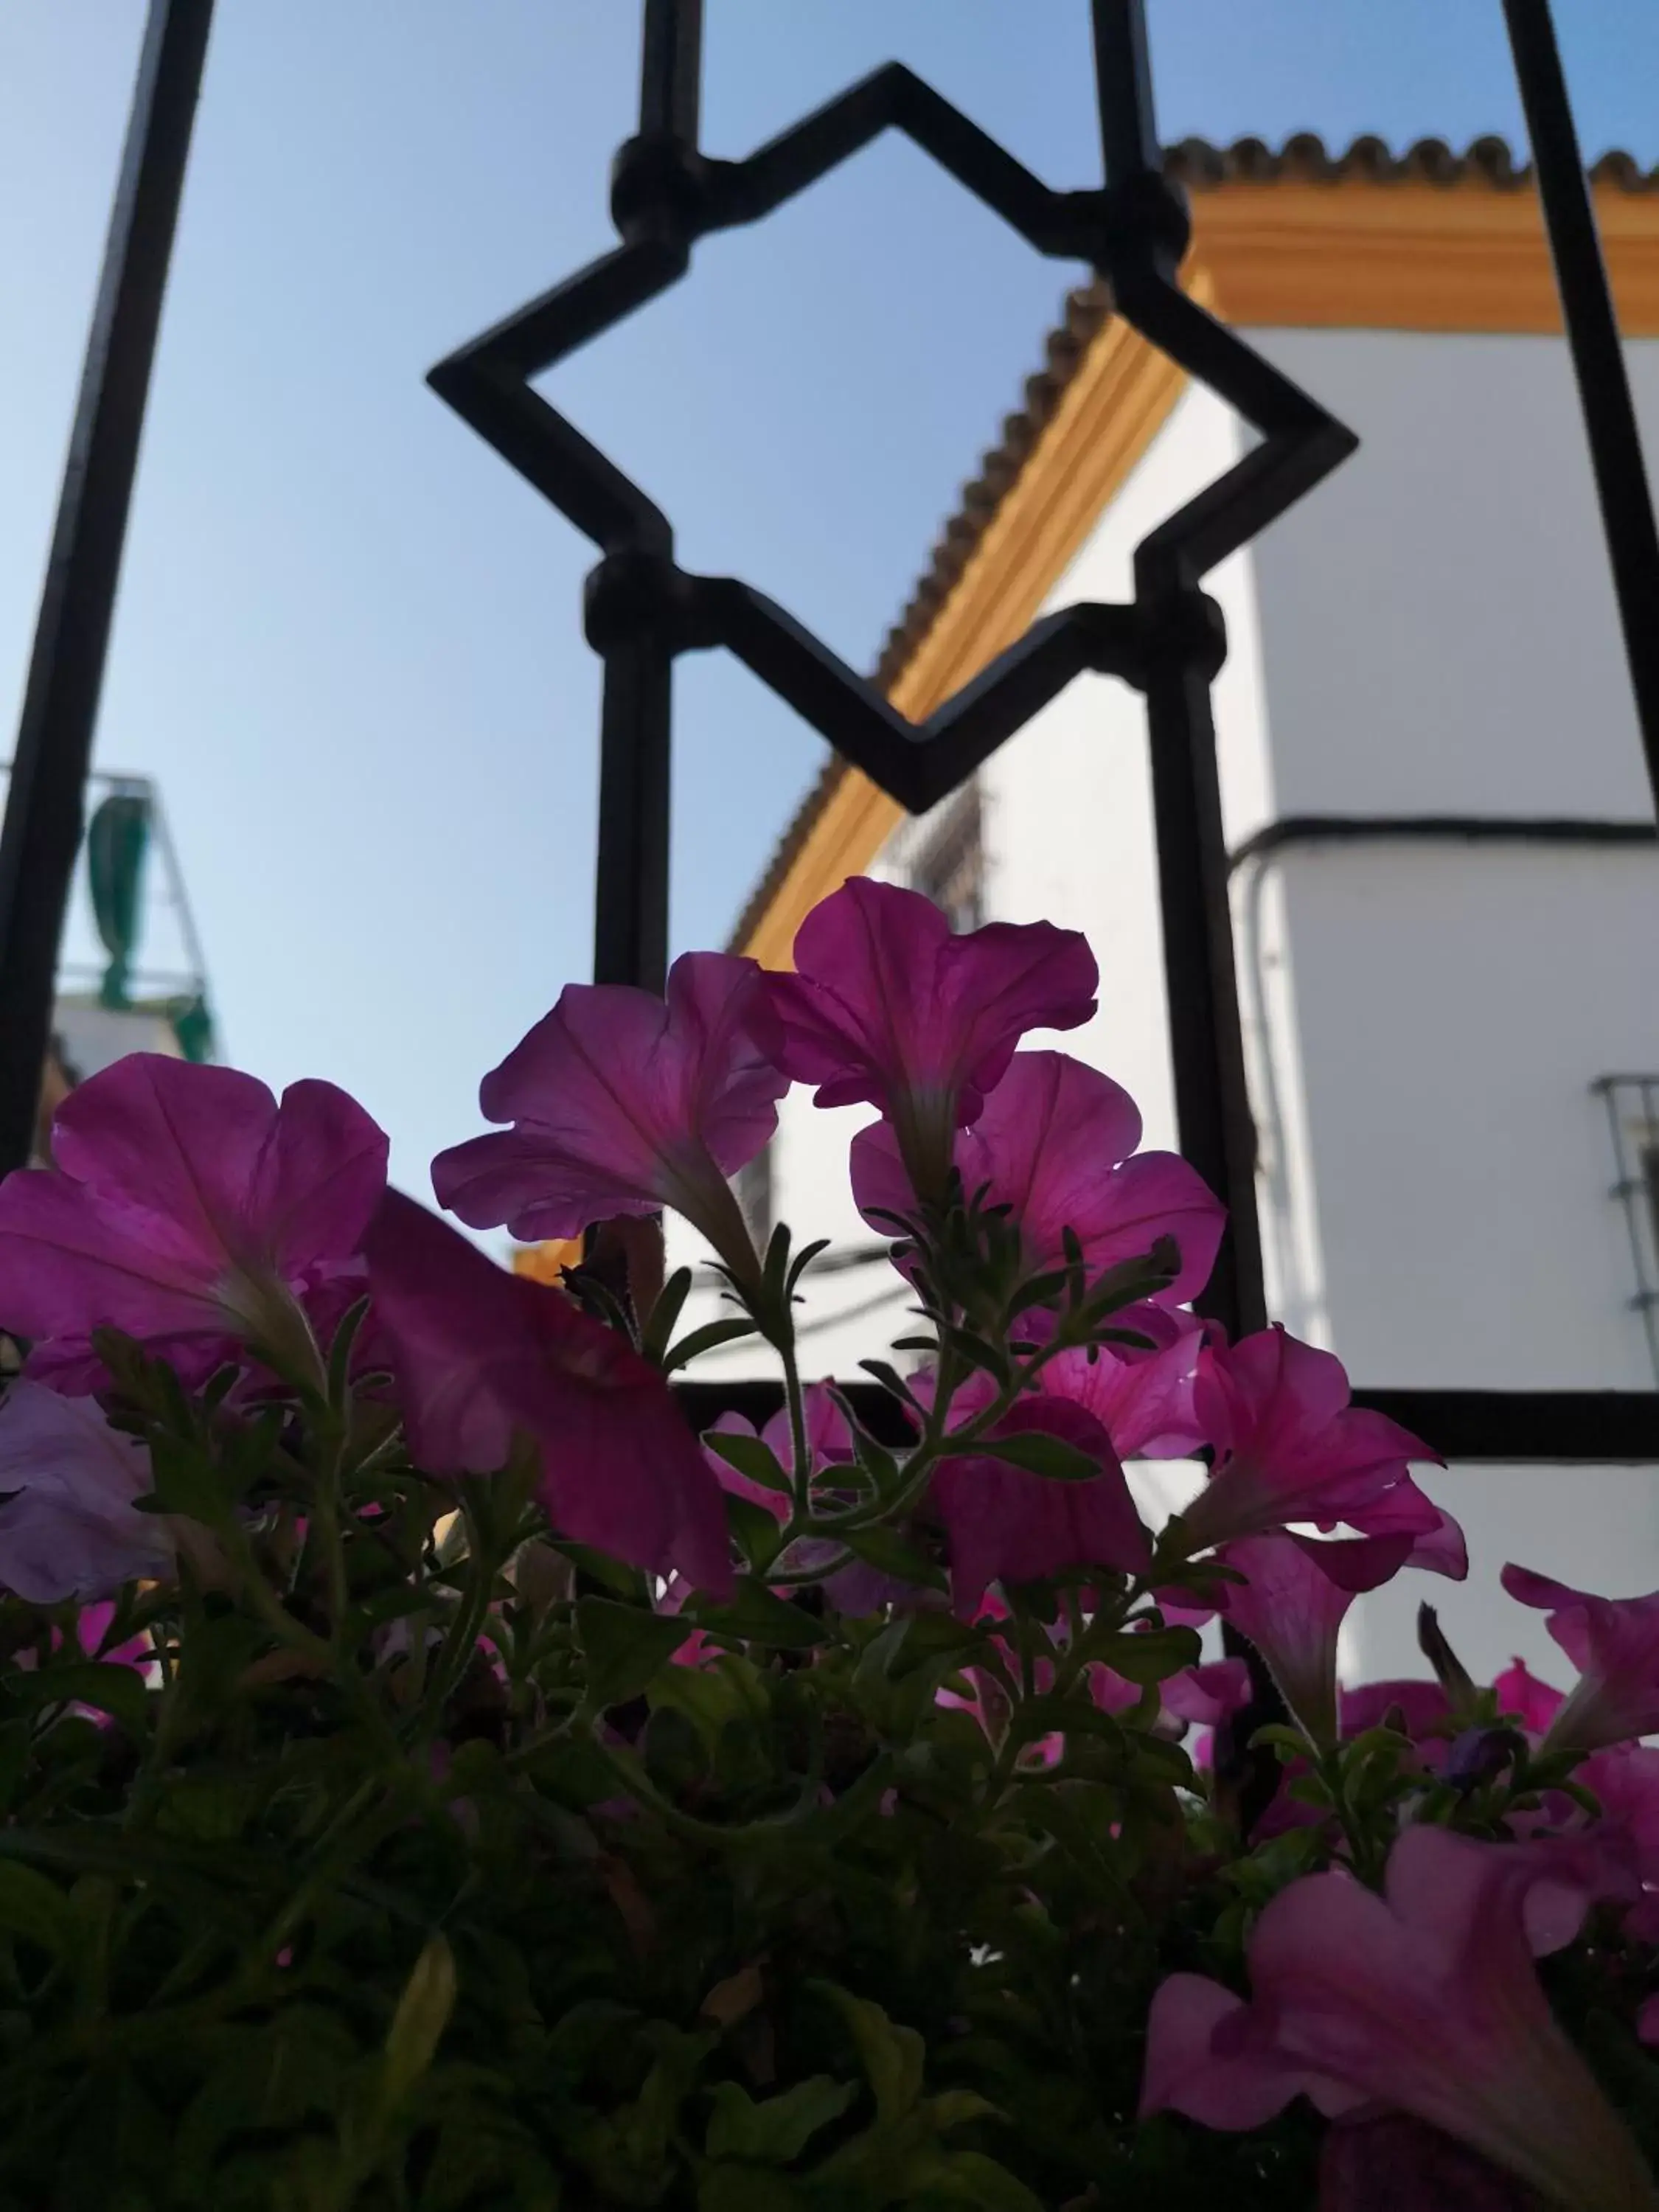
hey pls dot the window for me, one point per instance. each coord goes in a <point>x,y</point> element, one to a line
<point>1632,1103</point>
<point>949,866</point>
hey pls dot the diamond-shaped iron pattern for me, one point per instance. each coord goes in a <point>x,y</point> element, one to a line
<point>643,609</point>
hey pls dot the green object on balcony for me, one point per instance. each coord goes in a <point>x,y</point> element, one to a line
<point>118,840</point>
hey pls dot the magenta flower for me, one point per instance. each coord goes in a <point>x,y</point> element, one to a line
<point>886,1006</point>
<point>1614,1644</point>
<point>1054,1143</point>
<point>622,1103</point>
<point>1521,1696</point>
<point>187,1205</point>
<point>1291,1606</point>
<point>1003,1523</point>
<point>1423,2001</point>
<point>481,1356</point>
<point>72,1530</point>
<point>1142,1397</point>
<point>1290,1447</point>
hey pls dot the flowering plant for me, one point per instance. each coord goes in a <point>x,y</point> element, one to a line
<point>432,1777</point>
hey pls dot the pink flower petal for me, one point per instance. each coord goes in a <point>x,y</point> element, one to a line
<point>886,1006</point>
<point>1003,1523</point>
<point>72,1530</point>
<point>481,1355</point>
<point>622,1102</point>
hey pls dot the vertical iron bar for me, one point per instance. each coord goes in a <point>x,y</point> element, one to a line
<point>1123,87</point>
<point>630,899</point>
<point>671,69</point>
<point>1207,1040</point>
<point>42,832</point>
<point>1592,329</point>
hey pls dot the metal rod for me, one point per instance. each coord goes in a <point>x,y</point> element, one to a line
<point>43,804</point>
<point>1123,85</point>
<point>1207,1040</point>
<point>671,69</point>
<point>630,894</point>
<point>1592,329</point>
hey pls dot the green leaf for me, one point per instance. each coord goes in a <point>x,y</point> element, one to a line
<point>758,1533</point>
<point>1049,1456</point>
<point>671,1301</point>
<point>625,1647</point>
<point>751,1458</point>
<point>884,1549</point>
<point>1152,1657</point>
<point>776,2131</point>
<point>418,2024</point>
<point>758,1615</point>
<point>31,1906</point>
<point>969,2177</point>
<point>894,2057</point>
<point>708,1338</point>
<point>750,2189</point>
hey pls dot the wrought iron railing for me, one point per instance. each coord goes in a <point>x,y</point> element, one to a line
<point>643,609</point>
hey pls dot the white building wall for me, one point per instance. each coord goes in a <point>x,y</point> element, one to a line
<point>1440,638</point>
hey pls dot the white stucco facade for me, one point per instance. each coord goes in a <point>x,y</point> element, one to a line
<point>1431,633</point>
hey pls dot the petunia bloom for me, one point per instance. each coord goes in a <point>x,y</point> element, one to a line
<point>1423,2001</point>
<point>1291,1605</point>
<point>1055,1143</point>
<point>185,1205</point>
<point>1142,1395</point>
<point>72,1529</point>
<point>1614,1644</point>
<point>888,1006</point>
<point>1004,1523</point>
<point>1290,1447</point>
<point>480,1356</point>
<point>622,1103</point>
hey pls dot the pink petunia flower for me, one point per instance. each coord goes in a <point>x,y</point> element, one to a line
<point>1521,1696</point>
<point>1292,1603</point>
<point>1392,2164</point>
<point>1003,1524</point>
<point>1142,1395</point>
<point>1423,2001</point>
<point>622,1103</point>
<point>480,1356</point>
<point>1055,1143</point>
<point>1290,1447</point>
<point>185,1205</point>
<point>72,1529</point>
<point>887,1006</point>
<point>1614,1644</point>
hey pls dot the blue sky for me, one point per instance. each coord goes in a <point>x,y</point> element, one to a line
<point>348,641</point>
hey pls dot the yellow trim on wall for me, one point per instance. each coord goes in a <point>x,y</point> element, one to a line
<point>1353,254</point>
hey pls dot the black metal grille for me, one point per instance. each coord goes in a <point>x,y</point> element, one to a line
<point>1633,1104</point>
<point>643,609</point>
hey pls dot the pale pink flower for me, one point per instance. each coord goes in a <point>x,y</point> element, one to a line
<point>1055,1143</point>
<point>1521,1696</point>
<point>1142,1395</point>
<point>1003,1524</point>
<point>1423,2001</point>
<point>1614,1644</point>
<point>185,1205</point>
<point>622,1103</point>
<point>72,1529</point>
<point>1290,1447</point>
<point>1292,1603</point>
<point>886,1006</point>
<point>481,1356</point>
